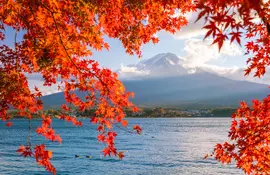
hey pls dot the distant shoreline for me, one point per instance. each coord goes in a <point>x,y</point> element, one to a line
<point>132,117</point>
<point>158,112</point>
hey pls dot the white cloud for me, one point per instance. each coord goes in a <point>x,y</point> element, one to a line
<point>192,29</point>
<point>130,69</point>
<point>220,70</point>
<point>36,80</point>
<point>131,72</point>
<point>235,73</point>
<point>199,52</point>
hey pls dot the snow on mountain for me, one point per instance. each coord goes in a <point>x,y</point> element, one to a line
<point>169,64</point>
<point>164,64</point>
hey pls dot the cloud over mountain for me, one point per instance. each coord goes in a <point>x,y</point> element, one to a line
<point>192,29</point>
<point>199,52</point>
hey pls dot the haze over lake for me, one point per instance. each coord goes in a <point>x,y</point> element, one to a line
<point>166,147</point>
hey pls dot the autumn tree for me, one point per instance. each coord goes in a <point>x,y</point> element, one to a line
<point>59,38</point>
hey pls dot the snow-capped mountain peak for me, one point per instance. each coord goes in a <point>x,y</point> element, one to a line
<point>162,59</point>
<point>164,64</point>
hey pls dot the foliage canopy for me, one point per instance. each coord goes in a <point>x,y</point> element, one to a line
<point>60,37</point>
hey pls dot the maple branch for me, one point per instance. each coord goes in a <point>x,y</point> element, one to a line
<point>15,43</point>
<point>15,38</point>
<point>62,43</point>
<point>267,25</point>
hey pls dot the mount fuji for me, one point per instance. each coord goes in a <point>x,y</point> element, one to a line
<point>166,80</point>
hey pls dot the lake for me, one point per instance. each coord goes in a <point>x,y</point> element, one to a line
<point>173,146</point>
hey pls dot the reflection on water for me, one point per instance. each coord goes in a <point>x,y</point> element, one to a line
<point>166,147</point>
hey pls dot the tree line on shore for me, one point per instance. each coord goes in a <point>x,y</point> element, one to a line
<point>143,112</point>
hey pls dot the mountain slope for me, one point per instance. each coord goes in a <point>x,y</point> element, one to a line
<point>204,88</point>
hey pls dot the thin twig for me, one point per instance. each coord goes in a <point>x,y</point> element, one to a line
<point>29,132</point>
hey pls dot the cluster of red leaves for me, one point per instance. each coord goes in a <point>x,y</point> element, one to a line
<point>58,39</point>
<point>249,135</point>
<point>25,151</point>
<point>43,158</point>
<point>41,155</point>
<point>137,128</point>
<point>237,19</point>
<point>47,131</point>
<point>249,138</point>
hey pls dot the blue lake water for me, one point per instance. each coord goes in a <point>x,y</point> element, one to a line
<point>166,147</point>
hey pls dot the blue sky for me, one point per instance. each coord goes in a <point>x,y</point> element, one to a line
<point>168,43</point>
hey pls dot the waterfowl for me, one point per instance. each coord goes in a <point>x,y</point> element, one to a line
<point>77,156</point>
<point>88,157</point>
